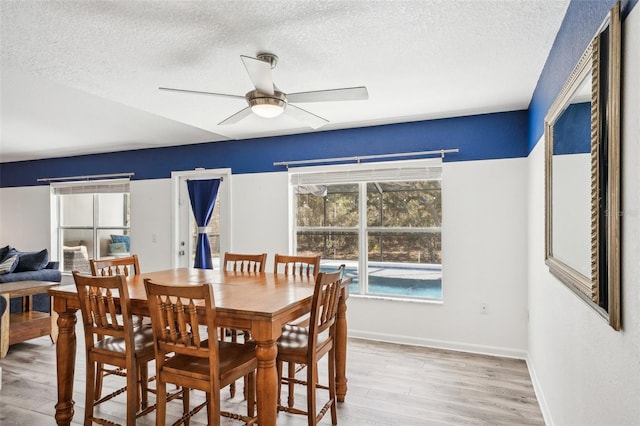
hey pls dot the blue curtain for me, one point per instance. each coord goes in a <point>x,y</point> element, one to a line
<point>202,194</point>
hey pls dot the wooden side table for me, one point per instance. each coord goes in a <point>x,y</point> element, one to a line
<point>29,324</point>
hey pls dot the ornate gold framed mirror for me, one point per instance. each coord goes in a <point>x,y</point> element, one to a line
<point>582,188</point>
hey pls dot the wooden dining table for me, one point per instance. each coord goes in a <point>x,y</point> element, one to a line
<point>260,302</point>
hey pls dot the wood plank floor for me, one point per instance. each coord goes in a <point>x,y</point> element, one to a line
<point>389,384</point>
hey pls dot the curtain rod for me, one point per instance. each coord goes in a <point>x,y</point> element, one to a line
<point>86,177</point>
<point>357,159</point>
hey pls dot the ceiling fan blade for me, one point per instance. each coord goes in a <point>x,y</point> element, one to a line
<point>312,120</point>
<point>201,93</point>
<point>243,113</point>
<point>259,73</point>
<point>346,94</point>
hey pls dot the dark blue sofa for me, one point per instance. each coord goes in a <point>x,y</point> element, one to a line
<point>41,302</point>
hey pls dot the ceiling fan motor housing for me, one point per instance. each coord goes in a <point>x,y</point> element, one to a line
<point>258,100</point>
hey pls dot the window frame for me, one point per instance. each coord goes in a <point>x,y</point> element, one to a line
<point>93,188</point>
<point>363,173</point>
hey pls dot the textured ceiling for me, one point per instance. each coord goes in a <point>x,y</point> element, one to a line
<point>83,77</point>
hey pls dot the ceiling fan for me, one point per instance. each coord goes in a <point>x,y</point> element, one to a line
<point>268,102</point>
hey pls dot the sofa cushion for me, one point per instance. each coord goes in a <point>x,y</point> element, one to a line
<point>33,261</point>
<point>42,275</point>
<point>9,262</point>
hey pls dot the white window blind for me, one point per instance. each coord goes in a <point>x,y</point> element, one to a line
<point>112,186</point>
<point>371,172</point>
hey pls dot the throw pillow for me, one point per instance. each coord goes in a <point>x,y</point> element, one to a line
<point>33,261</point>
<point>122,239</point>
<point>4,251</point>
<point>9,263</point>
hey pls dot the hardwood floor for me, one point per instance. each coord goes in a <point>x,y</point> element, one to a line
<point>389,384</point>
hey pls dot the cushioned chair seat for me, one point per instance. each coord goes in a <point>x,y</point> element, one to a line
<point>142,339</point>
<point>296,339</point>
<point>231,356</point>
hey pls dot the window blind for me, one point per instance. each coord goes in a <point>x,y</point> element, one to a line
<point>111,186</point>
<point>379,172</point>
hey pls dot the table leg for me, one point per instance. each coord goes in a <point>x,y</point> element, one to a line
<point>267,382</point>
<point>4,325</point>
<point>66,363</point>
<point>341,348</point>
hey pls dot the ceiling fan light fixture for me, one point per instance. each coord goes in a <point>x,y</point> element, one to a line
<point>267,106</point>
<point>268,110</point>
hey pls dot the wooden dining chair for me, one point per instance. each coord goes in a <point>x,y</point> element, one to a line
<point>301,266</point>
<point>199,362</point>
<point>125,266</point>
<point>111,339</point>
<point>297,265</point>
<point>307,345</point>
<point>244,262</point>
<point>238,262</point>
<point>117,266</point>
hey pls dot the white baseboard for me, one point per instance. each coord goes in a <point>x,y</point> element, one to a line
<point>542,402</point>
<point>440,344</point>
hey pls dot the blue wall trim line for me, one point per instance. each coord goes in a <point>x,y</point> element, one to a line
<point>478,137</point>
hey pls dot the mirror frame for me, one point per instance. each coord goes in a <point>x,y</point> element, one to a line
<point>603,59</point>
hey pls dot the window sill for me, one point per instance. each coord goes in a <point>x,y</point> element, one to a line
<point>396,299</point>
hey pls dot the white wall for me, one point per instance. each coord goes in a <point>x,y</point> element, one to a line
<point>484,261</point>
<point>151,223</point>
<point>259,214</point>
<point>483,249</point>
<point>24,218</point>
<point>585,373</point>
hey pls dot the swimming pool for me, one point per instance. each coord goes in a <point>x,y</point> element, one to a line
<point>398,280</point>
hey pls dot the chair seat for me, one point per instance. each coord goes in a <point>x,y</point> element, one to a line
<point>295,340</point>
<point>232,356</point>
<point>142,339</point>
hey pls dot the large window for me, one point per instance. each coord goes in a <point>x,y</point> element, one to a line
<point>91,221</point>
<point>382,219</point>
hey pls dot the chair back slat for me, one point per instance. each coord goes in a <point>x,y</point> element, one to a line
<point>244,262</point>
<point>297,265</point>
<point>174,318</point>
<point>105,306</point>
<point>119,266</point>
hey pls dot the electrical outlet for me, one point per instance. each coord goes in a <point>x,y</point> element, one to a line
<point>484,308</point>
<point>154,238</point>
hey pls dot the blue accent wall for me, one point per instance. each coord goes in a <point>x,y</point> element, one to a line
<point>478,137</point>
<point>580,23</point>
<point>572,131</point>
